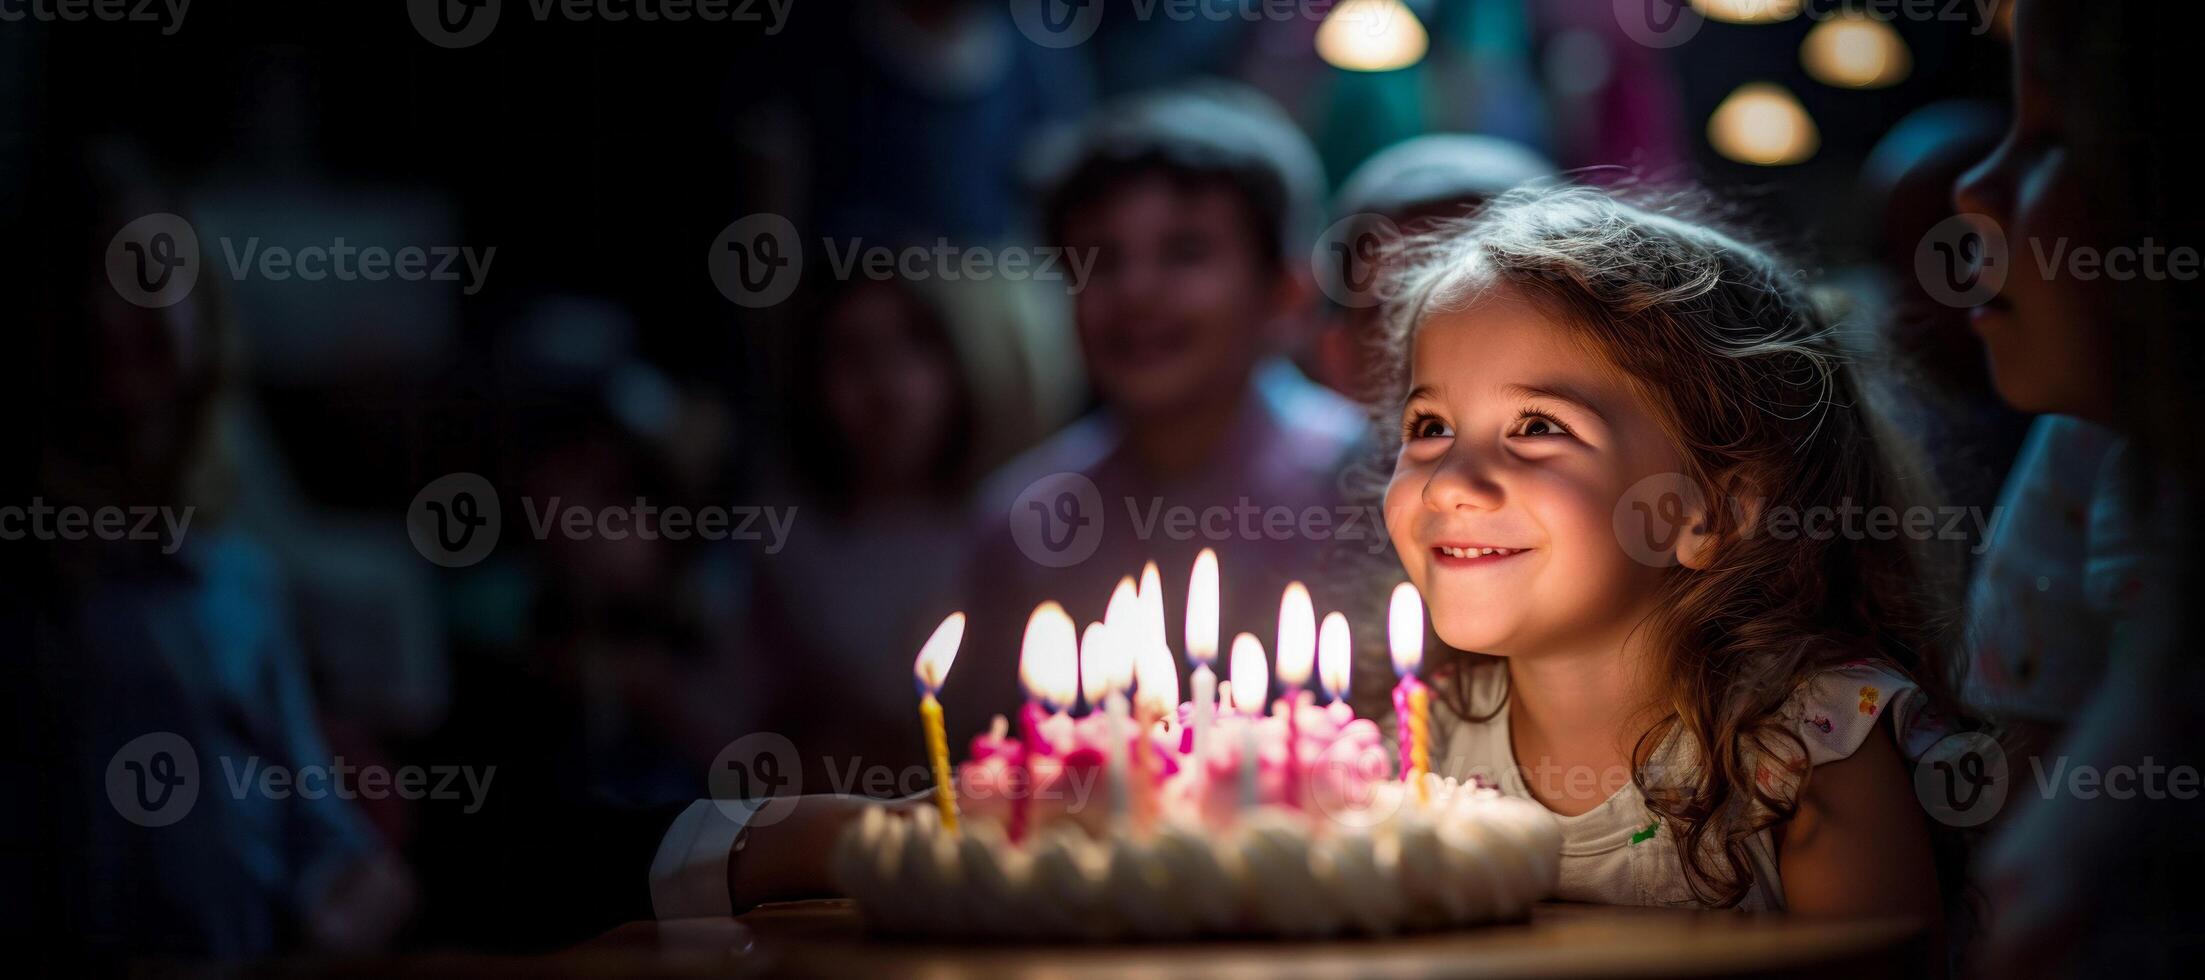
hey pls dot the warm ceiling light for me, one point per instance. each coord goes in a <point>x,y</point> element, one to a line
<point>1371,35</point>
<point>1747,11</point>
<point>1761,123</point>
<point>1855,51</point>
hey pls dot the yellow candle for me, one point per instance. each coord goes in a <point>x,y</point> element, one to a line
<point>1420,737</point>
<point>937,749</point>
<point>930,670</point>
<point>1412,700</point>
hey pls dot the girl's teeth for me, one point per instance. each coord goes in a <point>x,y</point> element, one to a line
<point>1478,552</point>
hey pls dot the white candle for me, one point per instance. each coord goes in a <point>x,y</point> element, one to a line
<point>1202,601</point>
<point>1113,670</point>
<point>1250,686</point>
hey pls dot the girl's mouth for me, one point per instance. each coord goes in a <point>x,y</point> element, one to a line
<point>1468,556</point>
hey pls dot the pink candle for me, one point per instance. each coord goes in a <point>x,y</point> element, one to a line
<point>1406,721</point>
<point>1022,789</point>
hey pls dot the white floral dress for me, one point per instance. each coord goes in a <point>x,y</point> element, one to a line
<point>1619,853</point>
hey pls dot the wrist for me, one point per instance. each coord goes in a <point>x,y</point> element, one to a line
<point>787,858</point>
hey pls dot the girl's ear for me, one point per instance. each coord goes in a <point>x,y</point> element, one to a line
<point>1732,514</point>
<point>1696,544</point>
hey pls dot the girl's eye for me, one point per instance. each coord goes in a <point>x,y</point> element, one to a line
<point>1532,424</point>
<point>1427,427</point>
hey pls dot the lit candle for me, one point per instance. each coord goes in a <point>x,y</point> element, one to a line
<point>931,669</point>
<point>1250,686</point>
<point>1105,670</point>
<point>1335,648</point>
<point>1151,606</point>
<point>1202,642</point>
<point>1411,702</point>
<point>1092,668</point>
<point>1156,698</point>
<point>1297,650</point>
<point>1048,667</point>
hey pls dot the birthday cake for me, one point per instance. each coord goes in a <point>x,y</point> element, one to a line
<point>1231,814</point>
<point>1329,848</point>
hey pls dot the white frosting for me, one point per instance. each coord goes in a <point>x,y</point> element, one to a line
<point>1462,856</point>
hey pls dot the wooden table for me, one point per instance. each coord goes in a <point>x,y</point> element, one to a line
<point>825,939</point>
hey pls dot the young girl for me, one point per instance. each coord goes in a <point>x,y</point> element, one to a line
<point>1637,476</point>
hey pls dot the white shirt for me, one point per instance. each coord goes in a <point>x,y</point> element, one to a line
<point>1620,853</point>
<point>689,873</point>
<point>2046,595</point>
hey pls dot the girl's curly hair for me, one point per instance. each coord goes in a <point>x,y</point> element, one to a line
<point>1768,409</point>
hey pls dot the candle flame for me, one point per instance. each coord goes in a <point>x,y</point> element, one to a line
<point>1048,659</point>
<point>1151,595</point>
<point>1405,629</point>
<point>1202,609</point>
<point>1334,649</point>
<point>1297,648</point>
<point>932,667</point>
<point>1123,619</point>
<point>1095,663</point>
<point>1157,680</point>
<point>1250,683</point>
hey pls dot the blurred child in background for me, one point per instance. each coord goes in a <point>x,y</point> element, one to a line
<point>1195,208</point>
<point>881,445</point>
<point>188,640</point>
<point>1410,185</point>
<point>2106,881</point>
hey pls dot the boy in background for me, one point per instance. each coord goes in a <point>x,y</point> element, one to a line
<point>1196,208</point>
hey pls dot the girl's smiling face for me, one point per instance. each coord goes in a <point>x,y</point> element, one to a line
<point>1516,436</point>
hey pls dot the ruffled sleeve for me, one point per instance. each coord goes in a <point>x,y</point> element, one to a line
<point>1836,709</point>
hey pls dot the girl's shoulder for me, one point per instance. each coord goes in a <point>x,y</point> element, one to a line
<point>1836,708</point>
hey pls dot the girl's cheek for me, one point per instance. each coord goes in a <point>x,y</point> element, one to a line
<point>1578,517</point>
<point>1404,497</point>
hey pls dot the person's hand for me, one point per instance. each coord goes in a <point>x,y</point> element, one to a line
<point>786,858</point>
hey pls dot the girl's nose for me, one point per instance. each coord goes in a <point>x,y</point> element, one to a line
<point>1463,480</point>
